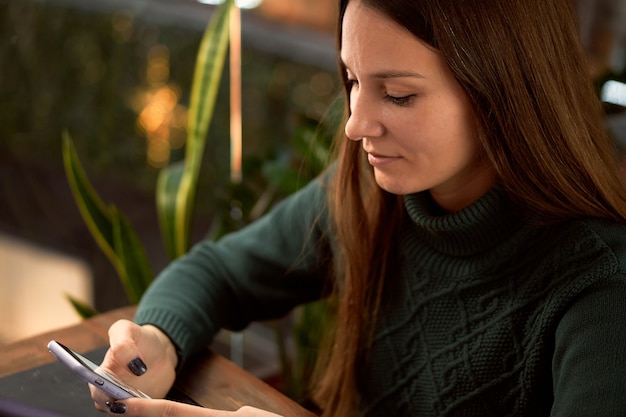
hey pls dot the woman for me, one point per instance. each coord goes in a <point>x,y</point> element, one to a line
<point>472,231</point>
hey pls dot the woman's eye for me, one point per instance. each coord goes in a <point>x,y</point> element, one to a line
<point>400,101</point>
<point>351,83</point>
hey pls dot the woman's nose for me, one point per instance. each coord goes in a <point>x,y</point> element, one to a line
<point>364,119</point>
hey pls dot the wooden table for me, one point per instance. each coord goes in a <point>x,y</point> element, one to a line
<point>210,379</point>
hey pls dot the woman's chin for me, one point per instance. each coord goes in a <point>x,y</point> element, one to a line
<point>395,185</point>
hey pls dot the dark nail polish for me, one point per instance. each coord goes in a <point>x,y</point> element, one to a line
<point>116,408</point>
<point>137,367</point>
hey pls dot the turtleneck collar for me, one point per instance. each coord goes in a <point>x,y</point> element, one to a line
<point>474,229</point>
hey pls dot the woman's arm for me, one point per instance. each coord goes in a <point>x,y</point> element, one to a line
<point>260,272</point>
<point>589,363</point>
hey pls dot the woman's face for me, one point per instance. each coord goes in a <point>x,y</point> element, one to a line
<point>411,115</point>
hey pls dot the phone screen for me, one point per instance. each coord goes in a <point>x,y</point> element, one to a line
<point>92,373</point>
<point>80,358</point>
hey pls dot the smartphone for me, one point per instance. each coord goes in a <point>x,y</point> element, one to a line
<point>92,373</point>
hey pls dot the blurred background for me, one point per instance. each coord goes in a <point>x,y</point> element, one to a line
<point>116,74</point>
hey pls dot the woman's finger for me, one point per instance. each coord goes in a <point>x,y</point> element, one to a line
<point>248,411</point>
<point>137,407</point>
<point>124,355</point>
<point>99,397</point>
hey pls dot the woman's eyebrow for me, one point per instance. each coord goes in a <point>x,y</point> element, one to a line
<point>397,74</point>
<point>391,73</point>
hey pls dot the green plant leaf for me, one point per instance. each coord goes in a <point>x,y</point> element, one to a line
<point>284,177</point>
<point>313,149</point>
<point>168,185</point>
<point>136,273</point>
<point>175,217</point>
<point>109,228</point>
<point>93,210</point>
<point>83,309</point>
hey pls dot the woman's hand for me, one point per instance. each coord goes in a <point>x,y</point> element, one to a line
<point>138,407</point>
<point>141,356</point>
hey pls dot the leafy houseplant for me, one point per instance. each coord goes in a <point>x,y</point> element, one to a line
<point>176,183</point>
<point>175,194</point>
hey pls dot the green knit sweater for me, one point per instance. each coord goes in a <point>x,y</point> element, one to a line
<point>487,315</point>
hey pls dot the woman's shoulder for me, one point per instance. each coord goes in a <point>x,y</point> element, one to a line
<point>599,242</point>
<point>579,259</point>
<point>610,233</point>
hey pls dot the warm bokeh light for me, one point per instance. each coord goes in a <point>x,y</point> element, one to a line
<point>236,129</point>
<point>161,118</point>
<point>318,14</point>
<point>122,25</point>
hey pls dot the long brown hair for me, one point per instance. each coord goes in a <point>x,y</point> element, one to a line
<point>540,124</point>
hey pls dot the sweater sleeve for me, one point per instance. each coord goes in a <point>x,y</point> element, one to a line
<point>589,364</point>
<point>260,272</point>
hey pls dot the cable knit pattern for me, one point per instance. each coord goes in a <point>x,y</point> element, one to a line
<point>470,331</point>
<point>484,314</point>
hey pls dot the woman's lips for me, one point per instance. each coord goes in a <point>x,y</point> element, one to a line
<point>376,160</point>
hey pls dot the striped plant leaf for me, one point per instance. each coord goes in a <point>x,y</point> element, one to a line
<point>136,272</point>
<point>168,185</point>
<point>109,228</point>
<point>177,185</point>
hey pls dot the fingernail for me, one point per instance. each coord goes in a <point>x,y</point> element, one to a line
<point>137,367</point>
<point>116,408</point>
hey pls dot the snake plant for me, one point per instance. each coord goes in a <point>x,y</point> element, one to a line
<point>176,185</point>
